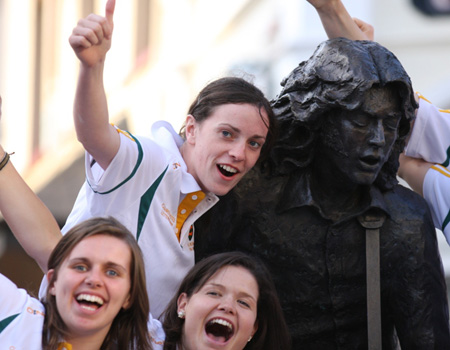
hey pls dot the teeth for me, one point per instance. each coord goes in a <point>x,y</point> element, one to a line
<point>228,168</point>
<point>90,308</point>
<point>90,298</point>
<point>223,323</point>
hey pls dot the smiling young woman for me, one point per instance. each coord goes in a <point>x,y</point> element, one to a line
<point>226,300</point>
<point>96,299</point>
<point>97,287</point>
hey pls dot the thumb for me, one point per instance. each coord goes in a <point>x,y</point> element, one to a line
<point>109,10</point>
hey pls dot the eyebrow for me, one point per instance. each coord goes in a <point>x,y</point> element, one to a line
<point>237,130</point>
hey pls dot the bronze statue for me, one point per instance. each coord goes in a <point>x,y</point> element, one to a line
<point>343,116</point>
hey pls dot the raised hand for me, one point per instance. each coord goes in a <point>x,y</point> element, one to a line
<point>91,38</point>
<point>337,22</point>
<point>366,28</point>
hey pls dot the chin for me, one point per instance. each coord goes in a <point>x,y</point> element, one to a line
<point>221,192</point>
<point>366,180</point>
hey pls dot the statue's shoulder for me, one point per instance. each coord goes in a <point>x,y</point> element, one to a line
<point>407,206</point>
<point>258,185</point>
<point>403,195</point>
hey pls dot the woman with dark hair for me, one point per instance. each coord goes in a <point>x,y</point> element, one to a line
<point>227,299</point>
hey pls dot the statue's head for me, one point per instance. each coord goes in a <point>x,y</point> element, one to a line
<point>350,104</point>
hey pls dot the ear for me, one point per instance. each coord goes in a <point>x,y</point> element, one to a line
<point>255,327</point>
<point>182,302</point>
<point>51,288</point>
<point>190,128</point>
<point>127,303</point>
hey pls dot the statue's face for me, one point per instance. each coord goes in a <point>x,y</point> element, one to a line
<point>355,144</point>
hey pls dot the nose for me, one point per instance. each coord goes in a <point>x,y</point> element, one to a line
<point>237,151</point>
<point>377,134</point>
<point>227,305</point>
<point>93,279</point>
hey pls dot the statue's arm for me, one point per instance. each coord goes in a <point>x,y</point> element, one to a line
<point>337,22</point>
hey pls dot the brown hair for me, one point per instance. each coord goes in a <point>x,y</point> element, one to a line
<point>129,328</point>
<point>232,90</point>
<point>272,333</point>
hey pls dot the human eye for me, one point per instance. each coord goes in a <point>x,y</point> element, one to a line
<point>226,133</point>
<point>255,144</point>
<point>112,273</point>
<point>244,303</point>
<point>80,268</point>
<point>213,292</point>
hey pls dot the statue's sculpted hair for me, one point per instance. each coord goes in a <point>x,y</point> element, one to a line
<point>336,77</point>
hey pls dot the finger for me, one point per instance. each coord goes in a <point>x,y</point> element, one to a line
<point>109,10</point>
<point>93,35</point>
<point>109,13</point>
<point>79,42</point>
<point>365,27</point>
<point>99,24</point>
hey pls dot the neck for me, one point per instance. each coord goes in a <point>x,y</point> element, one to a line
<point>336,195</point>
<point>88,342</point>
<point>185,154</point>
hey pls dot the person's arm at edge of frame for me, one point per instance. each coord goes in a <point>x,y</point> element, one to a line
<point>29,219</point>
<point>413,171</point>
<point>91,40</point>
<point>337,22</point>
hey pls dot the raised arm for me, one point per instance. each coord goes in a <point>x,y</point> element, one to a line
<point>91,40</point>
<point>30,220</point>
<point>413,171</point>
<point>337,22</point>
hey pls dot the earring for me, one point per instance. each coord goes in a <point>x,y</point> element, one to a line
<point>181,314</point>
<point>250,338</point>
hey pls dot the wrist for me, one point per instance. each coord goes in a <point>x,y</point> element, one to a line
<point>331,8</point>
<point>4,160</point>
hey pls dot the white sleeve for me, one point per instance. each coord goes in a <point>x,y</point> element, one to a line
<point>156,333</point>
<point>436,189</point>
<point>136,164</point>
<point>13,299</point>
<point>10,298</point>
<point>430,137</point>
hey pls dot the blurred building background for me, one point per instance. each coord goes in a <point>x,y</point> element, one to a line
<point>163,53</point>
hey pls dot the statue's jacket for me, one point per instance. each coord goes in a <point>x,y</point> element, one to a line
<point>319,266</point>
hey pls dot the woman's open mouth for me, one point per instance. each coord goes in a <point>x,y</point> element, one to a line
<point>219,329</point>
